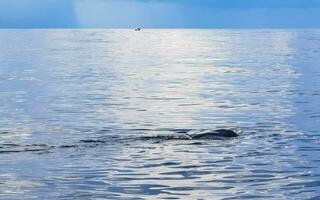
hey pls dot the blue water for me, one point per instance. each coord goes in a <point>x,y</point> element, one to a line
<point>74,103</point>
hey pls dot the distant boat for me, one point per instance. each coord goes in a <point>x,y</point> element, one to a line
<point>138,29</point>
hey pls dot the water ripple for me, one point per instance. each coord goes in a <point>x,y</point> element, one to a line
<point>117,114</point>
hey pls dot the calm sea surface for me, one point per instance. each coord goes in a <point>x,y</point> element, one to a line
<point>74,105</point>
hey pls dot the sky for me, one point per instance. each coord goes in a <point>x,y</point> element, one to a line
<point>160,13</point>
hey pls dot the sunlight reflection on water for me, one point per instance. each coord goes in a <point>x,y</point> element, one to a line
<point>69,98</point>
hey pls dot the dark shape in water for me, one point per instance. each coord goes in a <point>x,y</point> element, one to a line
<point>137,29</point>
<point>209,134</point>
<point>194,135</point>
<point>172,134</point>
<point>167,137</point>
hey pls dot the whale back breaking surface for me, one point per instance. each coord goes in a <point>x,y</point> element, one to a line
<point>189,134</point>
<point>150,135</point>
<point>211,134</point>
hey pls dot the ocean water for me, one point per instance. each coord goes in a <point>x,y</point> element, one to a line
<point>75,104</point>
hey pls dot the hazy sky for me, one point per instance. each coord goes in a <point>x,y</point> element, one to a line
<point>160,13</point>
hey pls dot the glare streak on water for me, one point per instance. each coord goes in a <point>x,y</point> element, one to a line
<point>74,105</point>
